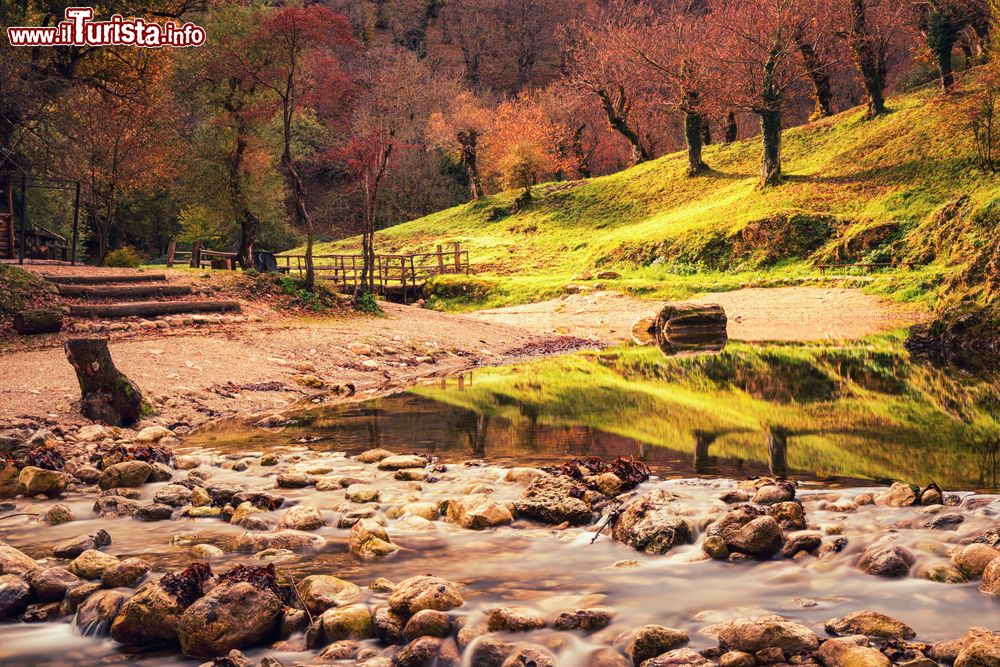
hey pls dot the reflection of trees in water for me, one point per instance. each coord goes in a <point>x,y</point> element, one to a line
<point>777,450</point>
<point>989,469</point>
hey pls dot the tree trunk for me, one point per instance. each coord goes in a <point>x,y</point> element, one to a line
<point>470,158</point>
<point>868,58</point>
<point>107,395</point>
<point>820,78</point>
<point>618,122</point>
<point>693,135</point>
<point>122,292</point>
<point>732,128</point>
<point>706,131</point>
<point>943,57</point>
<point>150,308</point>
<point>770,166</point>
<point>38,321</point>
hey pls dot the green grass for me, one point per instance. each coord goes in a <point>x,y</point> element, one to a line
<point>855,191</point>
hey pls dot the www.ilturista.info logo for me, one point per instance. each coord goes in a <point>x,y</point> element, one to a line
<point>79,30</point>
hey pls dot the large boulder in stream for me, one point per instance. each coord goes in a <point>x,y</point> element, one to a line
<point>870,624</point>
<point>125,475</point>
<point>554,500</point>
<point>13,561</point>
<point>477,512</point>
<point>320,592</point>
<point>149,618</point>
<point>95,615</point>
<point>424,592</point>
<point>15,593</point>
<point>368,540</point>
<point>981,648</point>
<point>649,523</point>
<point>749,531</point>
<point>756,634</point>
<point>886,561</point>
<point>231,616</point>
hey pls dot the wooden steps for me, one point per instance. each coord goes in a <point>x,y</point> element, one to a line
<point>110,295</point>
<point>150,308</point>
<point>122,291</point>
<point>109,279</point>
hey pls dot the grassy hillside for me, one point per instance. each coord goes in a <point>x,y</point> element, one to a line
<point>900,188</point>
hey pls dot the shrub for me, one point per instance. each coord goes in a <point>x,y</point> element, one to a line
<point>125,257</point>
<point>366,303</point>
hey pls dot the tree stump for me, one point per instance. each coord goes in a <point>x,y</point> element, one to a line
<point>691,318</point>
<point>107,394</point>
<point>684,329</point>
<point>38,321</point>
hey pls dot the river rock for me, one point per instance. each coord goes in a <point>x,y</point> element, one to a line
<point>87,474</point>
<point>886,561</point>
<point>428,623</point>
<point>649,523</point>
<point>74,547</point>
<point>94,617</point>
<point>770,494</point>
<point>110,507</point>
<point>206,551</point>
<point>161,472</point>
<point>320,592</point>
<point>153,434</point>
<point>972,559</point>
<point>50,584</point>
<point>789,515</point>
<point>92,433</point>
<point>58,514</point>
<point>154,512</point>
<point>219,622</point>
<point>128,573</point>
<point>294,480</point>
<point>531,656</point>
<point>369,540</point>
<point>401,461</point>
<point>352,621</point>
<point>302,517</point>
<point>804,541</point>
<point>9,486</point>
<point>851,652</point>
<point>15,593</point>
<point>523,475</point>
<point>292,540</point>
<point>373,455</point>
<point>897,495</point>
<point>761,538</point>
<point>477,512</point>
<point>126,474</point>
<point>423,510</point>
<point>942,571</point>
<point>388,626</point>
<point>945,522</point>
<point>870,624</point>
<point>421,652</point>
<point>490,652</point>
<point>981,648</point>
<point>650,641</point>
<point>175,495</point>
<point>682,657</point>
<point>424,592</point>
<point>737,659</point>
<point>591,619</point>
<point>515,619</point>
<point>91,564</point>
<point>13,561</point>
<point>149,618</point>
<point>362,493</point>
<point>754,634</point>
<point>35,481</point>
<point>991,578</point>
<point>554,500</point>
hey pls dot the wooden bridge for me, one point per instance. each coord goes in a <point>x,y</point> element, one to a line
<point>400,276</point>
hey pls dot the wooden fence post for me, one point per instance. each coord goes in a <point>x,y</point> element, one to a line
<point>196,255</point>
<point>402,274</point>
<point>171,251</point>
<point>458,257</point>
<point>440,259</point>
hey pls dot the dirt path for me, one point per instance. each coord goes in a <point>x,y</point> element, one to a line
<point>196,375</point>
<point>782,314</point>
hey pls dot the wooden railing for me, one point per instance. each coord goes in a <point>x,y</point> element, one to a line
<point>396,274</point>
<point>200,258</point>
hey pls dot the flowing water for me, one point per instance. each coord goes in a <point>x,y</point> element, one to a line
<point>842,420</point>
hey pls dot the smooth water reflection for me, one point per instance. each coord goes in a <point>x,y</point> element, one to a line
<point>838,413</point>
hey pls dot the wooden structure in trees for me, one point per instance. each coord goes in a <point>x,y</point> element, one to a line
<point>400,275</point>
<point>23,239</point>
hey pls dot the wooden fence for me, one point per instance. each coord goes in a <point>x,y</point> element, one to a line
<point>200,258</point>
<point>400,275</point>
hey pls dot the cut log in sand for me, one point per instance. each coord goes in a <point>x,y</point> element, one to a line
<point>107,395</point>
<point>102,279</point>
<point>123,291</point>
<point>151,308</point>
<point>38,321</point>
<point>691,317</point>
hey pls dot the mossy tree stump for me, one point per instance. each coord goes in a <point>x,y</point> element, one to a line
<point>107,395</point>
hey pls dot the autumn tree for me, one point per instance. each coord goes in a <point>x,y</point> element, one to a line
<point>941,23</point>
<point>871,28</point>
<point>599,62</point>
<point>810,33</point>
<point>757,56</point>
<point>523,146</point>
<point>459,130</point>
<point>294,57</point>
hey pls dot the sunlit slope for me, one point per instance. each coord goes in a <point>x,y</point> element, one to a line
<point>856,191</point>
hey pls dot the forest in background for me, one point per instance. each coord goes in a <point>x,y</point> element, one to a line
<point>335,118</point>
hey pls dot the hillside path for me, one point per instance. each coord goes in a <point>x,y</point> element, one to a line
<point>757,314</point>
